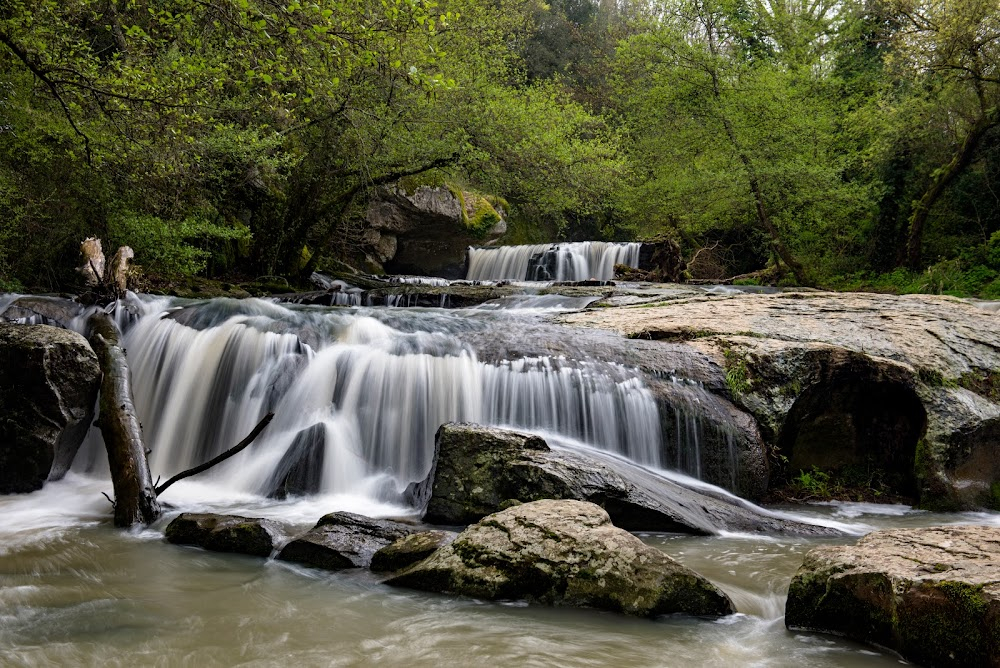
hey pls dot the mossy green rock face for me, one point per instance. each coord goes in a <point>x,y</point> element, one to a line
<point>564,553</point>
<point>933,594</point>
<point>224,533</point>
<point>48,384</point>
<point>410,549</point>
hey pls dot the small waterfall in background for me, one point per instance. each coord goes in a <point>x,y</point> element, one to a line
<point>571,261</point>
<point>357,394</point>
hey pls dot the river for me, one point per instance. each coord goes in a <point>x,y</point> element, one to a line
<point>377,381</point>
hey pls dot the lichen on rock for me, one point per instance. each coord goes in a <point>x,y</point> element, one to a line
<point>563,552</point>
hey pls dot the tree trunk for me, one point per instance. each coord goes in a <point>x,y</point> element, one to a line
<point>135,494</point>
<point>940,180</point>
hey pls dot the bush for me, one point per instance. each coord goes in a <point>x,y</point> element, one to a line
<point>176,247</point>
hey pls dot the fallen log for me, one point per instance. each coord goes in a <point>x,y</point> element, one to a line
<point>135,496</point>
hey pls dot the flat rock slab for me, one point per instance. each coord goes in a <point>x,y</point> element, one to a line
<point>343,540</point>
<point>564,553</point>
<point>479,470</point>
<point>225,533</point>
<point>932,594</point>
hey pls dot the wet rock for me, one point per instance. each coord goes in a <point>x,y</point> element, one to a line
<point>564,553</point>
<point>300,470</point>
<point>343,540</point>
<point>932,594</point>
<point>908,385</point>
<point>225,533</point>
<point>426,232</point>
<point>49,378</point>
<point>477,470</point>
<point>410,549</point>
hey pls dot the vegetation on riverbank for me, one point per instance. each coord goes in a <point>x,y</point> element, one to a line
<point>853,145</point>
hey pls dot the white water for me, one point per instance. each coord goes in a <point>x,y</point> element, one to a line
<point>375,387</point>
<point>74,591</point>
<point>571,261</point>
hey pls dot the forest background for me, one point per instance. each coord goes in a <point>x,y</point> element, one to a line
<point>852,144</point>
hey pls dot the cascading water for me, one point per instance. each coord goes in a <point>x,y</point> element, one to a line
<point>571,261</point>
<point>369,387</point>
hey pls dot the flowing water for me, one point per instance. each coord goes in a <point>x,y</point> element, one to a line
<point>569,261</point>
<point>366,387</point>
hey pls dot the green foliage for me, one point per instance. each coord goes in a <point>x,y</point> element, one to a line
<point>175,247</point>
<point>815,483</point>
<point>737,373</point>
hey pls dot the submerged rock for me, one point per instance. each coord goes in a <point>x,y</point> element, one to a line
<point>343,540</point>
<point>932,594</point>
<point>49,378</point>
<point>477,470</point>
<point>224,533</point>
<point>564,553</point>
<point>410,549</point>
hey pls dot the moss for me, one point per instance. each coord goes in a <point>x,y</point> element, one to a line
<point>482,218</point>
<point>993,502</point>
<point>934,378</point>
<point>984,382</point>
<point>673,335</point>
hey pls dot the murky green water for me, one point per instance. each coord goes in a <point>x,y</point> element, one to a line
<point>76,592</point>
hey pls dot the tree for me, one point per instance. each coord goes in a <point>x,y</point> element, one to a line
<point>953,49</point>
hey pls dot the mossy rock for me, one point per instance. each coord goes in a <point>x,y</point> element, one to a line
<point>224,533</point>
<point>562,552</point>
<point>930,594</point>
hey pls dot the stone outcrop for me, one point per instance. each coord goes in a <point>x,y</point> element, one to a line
<point>480,470</point>
<point>908,385</point>
<point>49,379</point>
<point>410,549</point>
<point>225,533</point>
<point>564,553</point>
<point>933,594</point>
<point>343,540</point>
<point>427,231</point>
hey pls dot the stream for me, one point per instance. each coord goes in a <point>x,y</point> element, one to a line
<point>366,388</point>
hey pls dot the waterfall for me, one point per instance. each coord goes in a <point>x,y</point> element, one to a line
<point>368,386</point>
<point>575,261</point>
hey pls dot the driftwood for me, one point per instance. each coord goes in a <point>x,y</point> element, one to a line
<point>135,497</point>
<point>221,458</point>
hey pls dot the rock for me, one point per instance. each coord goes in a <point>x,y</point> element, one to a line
<point>49,379</point>
<point>300,470</point>
<point>427,231</point>
<point>908,385</point>
<point>564,553</point>
<point>478,469</point>
<point>933,594</point>
<point>224,533</point>
<point>343,540</point>
<point>410,549</point>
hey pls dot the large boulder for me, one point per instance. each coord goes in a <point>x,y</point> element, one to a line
<point>905,385</point>
<point>564,553</point>
<point>478,470</point>
<point>932,594</point>
<point>225,533</point>
<point>49,378</point>
<point>427,231</point>
<point>343,540</point>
